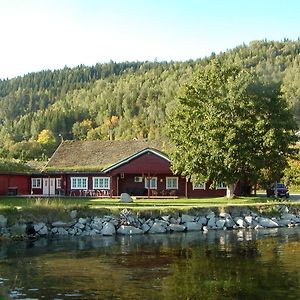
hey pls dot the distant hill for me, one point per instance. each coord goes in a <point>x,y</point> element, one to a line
<point>123,100</point>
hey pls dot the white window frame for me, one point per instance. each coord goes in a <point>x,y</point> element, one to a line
<point>171,180</point>
<point>221,186</point>
<point>199,186</point>
<point>58,183</point>
<point>77,183</point>
<point>101,183</point>
<point>36,183</point>
<point>138,179</point>
<point>153,183</point>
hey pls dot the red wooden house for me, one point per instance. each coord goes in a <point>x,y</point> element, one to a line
<point>109,168</point>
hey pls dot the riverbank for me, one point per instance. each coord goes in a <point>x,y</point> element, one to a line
<point>84,221</point>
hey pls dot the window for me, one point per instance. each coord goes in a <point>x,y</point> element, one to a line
<point>171,183</point>
<point>220,186</point>
<point>79,183</point>
<point>58,183</point>
<point>138,179</point>
<point>151,183</point>
<point>199,186</point>
<point>102,183</point>
<point>36,183</point>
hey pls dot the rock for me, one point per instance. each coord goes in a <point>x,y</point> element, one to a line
<point>220,223</point>
<point>202,220</point>
<point>79,226</point>
<point>72,231</point>
<point>157,228</point>
<point>37,227</point>
<point>3,221</point>
<point>193,226</point>
<point>73,214</point>
<point>145,227</point>
<point>211,223</point>
<point>82,221</point>
<point>240,222</point>
<point>205,228</point>
<point>248,220</point>
<point>266,222</point>
<point>129,230</point>
<point>18,229</point>
<point>229,223</point>
<point>187,218</point>
<point>174,221</point>
<point>96,225</point>
<point>210,215</point>
<point>43,231</point>
<point>285,222</point>
<point>126,198</point>
<point>258,227</point>
<point>177,227</point>
<point>224,215</point>
<point>108,229</point>
<point>166,218</point>
<point>61,224</point>
<point>54,230</point>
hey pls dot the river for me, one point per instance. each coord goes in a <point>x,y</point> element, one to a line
<point>237,264</point>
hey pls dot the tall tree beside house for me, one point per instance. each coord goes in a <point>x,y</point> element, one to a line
<point>227,125</point>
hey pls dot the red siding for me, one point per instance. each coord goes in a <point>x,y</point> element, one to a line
<point>20,182</point>
<point>147,163</point>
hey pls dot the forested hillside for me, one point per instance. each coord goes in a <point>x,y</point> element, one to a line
<point>120,100</point>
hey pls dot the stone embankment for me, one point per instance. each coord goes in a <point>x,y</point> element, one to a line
<point>128,223</point>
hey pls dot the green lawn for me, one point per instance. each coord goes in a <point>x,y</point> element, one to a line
<point>53,209</point>
<point>99,203</point>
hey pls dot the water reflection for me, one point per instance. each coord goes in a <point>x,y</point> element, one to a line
<point>241,264</point>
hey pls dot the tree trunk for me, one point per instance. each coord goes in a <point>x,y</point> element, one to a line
<point>230,190</point>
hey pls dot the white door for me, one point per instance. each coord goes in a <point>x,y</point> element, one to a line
<point>48,186</point>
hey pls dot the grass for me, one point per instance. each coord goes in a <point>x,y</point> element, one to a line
<point>51,209</point>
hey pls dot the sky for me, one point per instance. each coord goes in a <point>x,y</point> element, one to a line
<point>51,34</point>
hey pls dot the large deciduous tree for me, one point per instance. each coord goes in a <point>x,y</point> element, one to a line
<point>227,125</point>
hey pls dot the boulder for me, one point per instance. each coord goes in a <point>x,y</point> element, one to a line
<point>157,228</point>
<point>108,229</point>
<point>129,230</point>
<point>202,220</point>
<point>229,223</point>
<point>193,226</point>
<point>38,226</point>
<point>82,221</point>
<point>220,223</point>
<point>211,223</point>
<point>240,222</point>
<point>61,224</point>
<point>126,198</point>
<point>62,231</point>
<point>177,227</point>
<point>248,220</point>
<point>266,222</point>
<point>96,225</point>
<point>224,215</point>
<point>3,221</point>
<point>43,231</point>
<point>18,229</point>
<point>73,214</point>
<point>79,225</point>
<point>187,218</point>
<point>145,227</point>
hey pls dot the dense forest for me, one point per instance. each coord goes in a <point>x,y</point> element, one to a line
<point>121,100</point>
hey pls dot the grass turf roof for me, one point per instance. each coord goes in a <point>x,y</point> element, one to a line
<point>13,166</point>
<point>95,155</point>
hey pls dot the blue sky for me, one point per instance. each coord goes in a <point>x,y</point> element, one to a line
<point>50,34</point>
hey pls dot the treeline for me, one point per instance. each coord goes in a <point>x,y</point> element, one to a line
<point>121,100</point>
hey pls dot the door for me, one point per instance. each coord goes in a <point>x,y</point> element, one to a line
<point>48,186</point>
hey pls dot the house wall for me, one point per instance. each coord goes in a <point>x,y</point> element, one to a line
<point>147,163</point>
<point>20,182</point>
<point>207,192</point>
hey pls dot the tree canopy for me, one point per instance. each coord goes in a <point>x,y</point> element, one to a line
<point>228,125</point>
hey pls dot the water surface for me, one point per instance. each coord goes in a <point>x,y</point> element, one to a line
<point>244,264</point>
